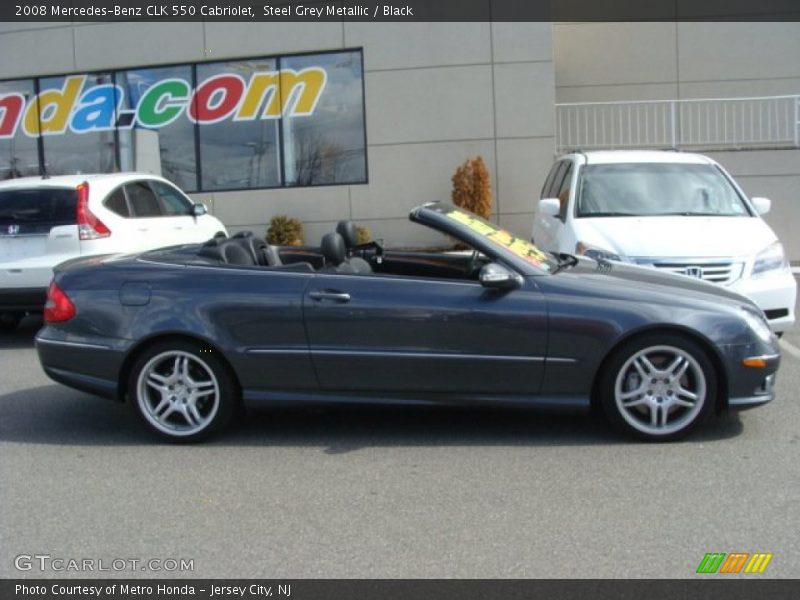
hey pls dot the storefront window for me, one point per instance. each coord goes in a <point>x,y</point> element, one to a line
<point>19,155</point>
<point>327,146</point>
<point>81,140</point>
<point>238,147</point>
<point>161,138</point>
<point>244,124</point>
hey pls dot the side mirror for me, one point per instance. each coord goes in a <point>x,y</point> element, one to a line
<point>497,277</point>
<point>762,205</point>
<point>550,207</point>
<point>198,210</point>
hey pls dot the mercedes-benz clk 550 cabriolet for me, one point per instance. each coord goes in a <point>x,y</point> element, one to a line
<point>185,334</point>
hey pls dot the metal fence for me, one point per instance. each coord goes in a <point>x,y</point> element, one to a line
<point>712,123</point>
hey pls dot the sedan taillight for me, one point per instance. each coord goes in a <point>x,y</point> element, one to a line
<point>58,307</point>
<point>89,226</point>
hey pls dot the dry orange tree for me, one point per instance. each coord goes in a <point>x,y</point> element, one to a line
<point>472,187</point>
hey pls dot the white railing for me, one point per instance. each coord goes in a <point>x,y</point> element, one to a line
<point>715,123</point>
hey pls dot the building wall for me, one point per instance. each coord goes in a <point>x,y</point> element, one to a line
<point>436,94</point>
<point>596,62</point>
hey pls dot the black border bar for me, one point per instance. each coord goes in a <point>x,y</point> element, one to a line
<point>398,10</point>
<point>704,586</point>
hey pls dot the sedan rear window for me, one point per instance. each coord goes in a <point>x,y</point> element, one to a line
<point>37,210</point>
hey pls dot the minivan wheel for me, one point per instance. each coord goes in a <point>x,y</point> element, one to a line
<point>9,321</point>
<point>182,393</point>
<point>659,387</point>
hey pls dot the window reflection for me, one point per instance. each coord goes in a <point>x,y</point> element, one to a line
<point>166,149</point>
<point>19,155</point>
<point>328,146</point>
<point>240,154</point>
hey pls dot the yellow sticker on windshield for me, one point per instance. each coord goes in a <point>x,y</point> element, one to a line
<point>501,237</point>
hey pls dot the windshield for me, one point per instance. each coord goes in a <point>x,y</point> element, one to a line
<point>502,238</point>
<point>653,189</point>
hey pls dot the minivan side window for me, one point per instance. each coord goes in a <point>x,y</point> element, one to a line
<point>143,200</point>
<point>563,192</point>
<point>116,203</point>
<point>175,204</point>
<point>549,181</point>
<point>555,185</point>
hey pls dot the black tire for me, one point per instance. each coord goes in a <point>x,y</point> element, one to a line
<point>182,391</point>
<point>661,404</point>
<point>9,321</point>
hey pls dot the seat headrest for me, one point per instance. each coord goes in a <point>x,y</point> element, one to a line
<point>349,232</point>
<point>333,249</point>
<point>234,254</point>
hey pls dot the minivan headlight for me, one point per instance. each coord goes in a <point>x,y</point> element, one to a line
<point>771,258</point>
<point>595,252</point>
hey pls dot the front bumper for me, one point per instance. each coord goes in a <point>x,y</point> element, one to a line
<point>751,386</point>
<point>774,294</point>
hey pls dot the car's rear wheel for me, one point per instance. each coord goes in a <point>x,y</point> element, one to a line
<point>659,387</point>
<point>9,321</point>
<point>182,392</point>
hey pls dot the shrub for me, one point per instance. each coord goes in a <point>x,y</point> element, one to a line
<point>284,231</point>
<point>472,189</point>
<point>363,235</point>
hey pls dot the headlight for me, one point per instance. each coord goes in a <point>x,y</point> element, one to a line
<point>595,252</point>
<point>757,323</point>
<point>770,258</point>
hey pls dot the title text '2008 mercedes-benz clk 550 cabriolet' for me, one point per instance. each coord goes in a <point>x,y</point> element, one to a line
<point>187,333</point>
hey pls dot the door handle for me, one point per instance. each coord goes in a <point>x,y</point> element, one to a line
<point>320,295</point>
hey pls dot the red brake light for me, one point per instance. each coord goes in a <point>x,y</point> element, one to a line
<point>89,226</point>
<point>58,307</point>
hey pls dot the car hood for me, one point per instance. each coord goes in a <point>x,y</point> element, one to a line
<point>678,236</point>
<point>645,284</point>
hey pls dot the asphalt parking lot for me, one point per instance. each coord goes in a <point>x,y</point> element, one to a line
<point>390,492</point>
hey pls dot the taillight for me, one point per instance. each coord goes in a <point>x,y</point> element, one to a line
<point>89,226</point>
<point>58,307</point>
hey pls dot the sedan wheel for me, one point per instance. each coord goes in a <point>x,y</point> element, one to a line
<point>181,392</point>
<point>659,387</point>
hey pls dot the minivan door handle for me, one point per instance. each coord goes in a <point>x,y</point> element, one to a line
<point>332,295</point>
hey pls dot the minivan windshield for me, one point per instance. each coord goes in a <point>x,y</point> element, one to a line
<point>657,189</point>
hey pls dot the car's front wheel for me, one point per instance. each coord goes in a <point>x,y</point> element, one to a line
<point>181,391</point>
<point>659,387</point>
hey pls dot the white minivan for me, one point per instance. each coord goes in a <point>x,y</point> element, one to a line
<point>45,221</point>
<point>674,211</point>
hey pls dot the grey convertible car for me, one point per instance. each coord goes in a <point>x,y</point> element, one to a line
<point>186,333</point>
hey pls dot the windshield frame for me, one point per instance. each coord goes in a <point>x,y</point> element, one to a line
<point>434,215</point>
<point>749,211</point>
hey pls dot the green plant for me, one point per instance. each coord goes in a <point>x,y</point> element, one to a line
<point>472,188</point>
<point>363,235</point>
<point>284,231</point>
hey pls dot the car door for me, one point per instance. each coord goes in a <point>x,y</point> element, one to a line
<point>408,334</point>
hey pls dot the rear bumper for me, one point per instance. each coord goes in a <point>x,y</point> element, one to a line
<point>22,299</point>
<point>89,367</point>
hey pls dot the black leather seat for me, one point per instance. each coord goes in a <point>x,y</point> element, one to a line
<point>349,233</point>
<point>252,245</point>
<point>335,254</point>
<point>227,251</point>
<point>272,256</point>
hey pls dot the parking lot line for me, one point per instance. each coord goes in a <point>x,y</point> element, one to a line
<point>790,348</point>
